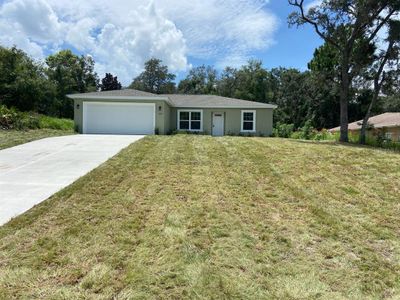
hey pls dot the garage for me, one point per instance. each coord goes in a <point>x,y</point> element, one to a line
<point>118,118</point>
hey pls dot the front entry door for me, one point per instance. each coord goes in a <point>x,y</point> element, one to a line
<point>218,124</point>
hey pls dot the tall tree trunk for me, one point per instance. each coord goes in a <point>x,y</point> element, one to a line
<point>362,138</point>
<point>377,88</point>
<point>344,101</point>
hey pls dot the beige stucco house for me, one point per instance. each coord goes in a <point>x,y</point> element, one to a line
<point>130,111</point>
<point>387,125</point>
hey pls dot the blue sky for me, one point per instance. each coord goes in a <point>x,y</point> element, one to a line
<point>122,34</point>
<point>293,47</point>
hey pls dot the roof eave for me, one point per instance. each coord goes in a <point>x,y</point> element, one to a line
<point>80,96</point>
<point>224,107</point>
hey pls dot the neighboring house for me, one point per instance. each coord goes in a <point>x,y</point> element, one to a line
<point>135,112</point>
<point>386,125</point>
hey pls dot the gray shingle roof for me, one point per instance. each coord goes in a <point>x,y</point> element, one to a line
<point>115,93</point>
<point>389,119</point>
<point>179,100</point>
<point>200,101</point>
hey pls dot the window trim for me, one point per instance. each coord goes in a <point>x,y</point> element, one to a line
<point>242,120</point>
<point>190,119</point>
<point>388,135</point>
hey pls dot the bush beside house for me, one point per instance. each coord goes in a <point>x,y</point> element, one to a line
<point>307,132</point>
<point>11,118</point>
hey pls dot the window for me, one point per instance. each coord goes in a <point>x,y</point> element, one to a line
<point>388,136</point>
<point>190,120</point>
<point>248,121</point>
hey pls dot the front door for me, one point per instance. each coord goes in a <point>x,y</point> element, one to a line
<point>218,124</point>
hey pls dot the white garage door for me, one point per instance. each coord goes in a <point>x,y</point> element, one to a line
<point>118,118</point>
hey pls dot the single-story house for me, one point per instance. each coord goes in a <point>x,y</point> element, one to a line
<point>131,111</point>
<point>386,125</point>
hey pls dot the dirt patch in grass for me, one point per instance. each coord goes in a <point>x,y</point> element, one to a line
<point>11,138</point>
<point>201,217</point>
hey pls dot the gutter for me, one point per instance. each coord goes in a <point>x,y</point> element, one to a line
<point>146,98</point>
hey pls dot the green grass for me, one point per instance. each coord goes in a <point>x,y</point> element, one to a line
<point>183,216</point>
<point>55,123</point>
<point>11,138</point>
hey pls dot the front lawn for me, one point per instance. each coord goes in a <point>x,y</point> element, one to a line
<point>186,216</point>
<point>11,138</point>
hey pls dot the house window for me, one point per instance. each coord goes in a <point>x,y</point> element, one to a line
<point>248,121</point>
<point>190,120</point>
<point>388,136</point>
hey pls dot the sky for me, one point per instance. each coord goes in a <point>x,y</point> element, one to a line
<point>122,34</point>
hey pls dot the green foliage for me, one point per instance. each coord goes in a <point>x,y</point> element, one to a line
<point>10,118</point>
<point>283,130</point>
<point>226,85</point>
<point>110,83</point>
<point>71,74</point>
<point>293,96</point>
<point>200,80</point>
<point>253,82</point>
<point>325,61</point>
<point>296,135</point>
<point>155,78</point>
<point>350,28</point>
<point>55,123</point>
<point>23,83</point>
<point>31,86</point>
<point>307,131</point>
<point>392,103</point>
<point>323,135</point>
<point>14,119</point>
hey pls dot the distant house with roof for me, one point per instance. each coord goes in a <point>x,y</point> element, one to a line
<point>386,125</point>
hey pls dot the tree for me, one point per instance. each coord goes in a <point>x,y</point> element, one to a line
<point>325,72</point>
<point>23,83</point>
<point>226,84</point>
<point>71,74</point>
<point>324,76</point>
<point>110,83</point>
<point>377,70</point>
<point>155,78</point>
<point>252,82</point>
<point>349,26</point>
<point>200,80</point>
<point>292,95</point>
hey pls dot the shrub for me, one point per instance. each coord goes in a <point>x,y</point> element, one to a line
<point>283,130</point>
<point>324,135</point>
<point>26,121</point>
<point>8,117</point>
<point>55,123</point>
<point>11,118</point>
<point>307,131</point>
<point>296,135</point>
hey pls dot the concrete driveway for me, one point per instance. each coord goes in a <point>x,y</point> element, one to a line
<point>32,172</point>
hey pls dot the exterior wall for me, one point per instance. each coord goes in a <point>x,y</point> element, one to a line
<point>232,120</point>
<point>167,119</point>
<point>395,133</point>
<point>162,113</point>
<point>375,132</point>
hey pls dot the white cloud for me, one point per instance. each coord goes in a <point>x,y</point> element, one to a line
<point>35,18</point>
<point>19,39</point>
<point>121,35</point>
